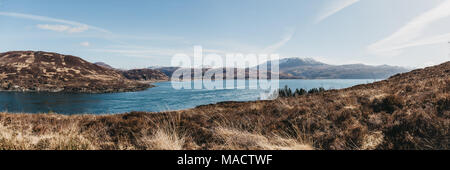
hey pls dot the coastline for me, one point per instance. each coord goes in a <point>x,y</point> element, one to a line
<point>149,82</point>
<point>80,92</point>
<point>142,87</point>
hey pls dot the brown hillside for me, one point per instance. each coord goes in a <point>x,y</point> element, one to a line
<point>407,111</point>
<point>51,72</point>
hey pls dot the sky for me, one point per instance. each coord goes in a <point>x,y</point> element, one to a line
<point>143,33</point>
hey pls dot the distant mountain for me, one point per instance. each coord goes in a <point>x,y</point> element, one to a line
<point>297,68</point>
<point>210,72</point>
<point>103,65</point>
<point>145,75</point>
<point>295,62</point>
<point>51,72</point>
<point>166,70</point>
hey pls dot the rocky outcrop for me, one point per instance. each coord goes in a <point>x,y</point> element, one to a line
<point>37,71</point>
<point>145,75</point>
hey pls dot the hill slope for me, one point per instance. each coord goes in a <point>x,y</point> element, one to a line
<point>406,111</point>
<point>52,72</point>
<point>145,75</point>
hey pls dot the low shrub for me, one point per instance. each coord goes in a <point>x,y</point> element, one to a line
<point>389,104</point>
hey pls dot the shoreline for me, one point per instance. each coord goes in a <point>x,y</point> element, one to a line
<point>151,83</point>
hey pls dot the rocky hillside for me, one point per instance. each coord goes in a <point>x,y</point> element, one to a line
<point>52,72</point>
<point>145,75</point>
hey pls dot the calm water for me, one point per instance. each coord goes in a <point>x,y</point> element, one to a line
<point>161,98</point>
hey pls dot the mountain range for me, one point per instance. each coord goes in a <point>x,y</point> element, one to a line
<point>298,68</point>
<point>51,72</point>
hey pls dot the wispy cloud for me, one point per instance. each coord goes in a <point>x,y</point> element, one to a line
<point>63,28</point>
<point>72,26</point>
<point>410,34</point>
<point>443,38</point>
<point>333,8</point>
<point>285,39</point>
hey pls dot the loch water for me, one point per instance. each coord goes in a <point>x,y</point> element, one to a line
<point>161,98</point>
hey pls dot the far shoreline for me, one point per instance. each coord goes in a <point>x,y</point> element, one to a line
<point>152,85</point>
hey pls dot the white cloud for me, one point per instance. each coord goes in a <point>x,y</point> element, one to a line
<point>78,29</point>
<point>333,8</point>
<point>410,34</point>
<point>74,26</point>
<point>85,44</point>
<point>59,28</point>
<point>443,38</point>
<point>63,28</point>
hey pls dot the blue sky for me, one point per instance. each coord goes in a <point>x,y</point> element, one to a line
<point>134,34</point>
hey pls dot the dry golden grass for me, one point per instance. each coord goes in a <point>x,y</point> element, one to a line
<point>407,111</point>
<point>148,131</point>
<point>25,139</point>
<point>234,139</point>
